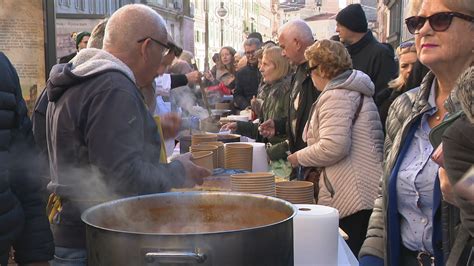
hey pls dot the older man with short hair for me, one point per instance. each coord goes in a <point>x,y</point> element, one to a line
<point>294,37</point>
<point>102,141</point>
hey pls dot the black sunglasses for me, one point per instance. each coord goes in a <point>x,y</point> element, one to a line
<point>310,70</point>
<point>164,52</point>
<point>176,50</point>
<point>438,22</point>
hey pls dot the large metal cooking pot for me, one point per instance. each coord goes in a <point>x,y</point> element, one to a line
<point>194,228</point>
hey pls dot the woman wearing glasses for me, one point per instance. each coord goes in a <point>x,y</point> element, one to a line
<point>344,137</point>
<point>405,227</point>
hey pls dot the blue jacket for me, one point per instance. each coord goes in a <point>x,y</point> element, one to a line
<point>383,241</point>
<point>393,235</point>
<point>23,221</point>
<point>393,217</point>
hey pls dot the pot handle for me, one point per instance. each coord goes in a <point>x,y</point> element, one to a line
<point>175,256</point>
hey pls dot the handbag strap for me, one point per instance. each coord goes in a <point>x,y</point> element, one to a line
<point>326,181</point>
<point>323,170</point>
<point>361,101</point>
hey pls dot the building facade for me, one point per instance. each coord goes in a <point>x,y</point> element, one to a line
<point>382,19</point>
<point>83,15</point>
<point>393,13</point>
<point>241,18</point>
<point>179,21</point>
<point>227,31</point>
<point>323,19</point>
<point>319,14</point>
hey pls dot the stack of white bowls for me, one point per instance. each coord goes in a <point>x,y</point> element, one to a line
<point>220,152</point>
<point>296,192</point>
<point>262,183</point>
<point>238,156</point>
<point>198,138</point>
<point>211,148</point>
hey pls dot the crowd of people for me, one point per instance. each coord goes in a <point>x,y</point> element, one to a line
<point>390,147</point>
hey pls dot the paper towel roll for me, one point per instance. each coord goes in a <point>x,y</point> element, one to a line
<point>316,232</point>
<point>259,157</point>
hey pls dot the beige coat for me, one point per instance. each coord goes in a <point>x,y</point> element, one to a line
<point>351,154</point>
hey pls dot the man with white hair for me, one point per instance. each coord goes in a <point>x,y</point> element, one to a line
<point>102,141</point>
<point>294,37</point>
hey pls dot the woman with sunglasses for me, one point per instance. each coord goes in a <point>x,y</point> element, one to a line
<point>405,227</point>
<point>344,137</point>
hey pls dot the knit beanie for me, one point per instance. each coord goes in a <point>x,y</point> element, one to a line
<point>353,18</point>
<point>79,37</point>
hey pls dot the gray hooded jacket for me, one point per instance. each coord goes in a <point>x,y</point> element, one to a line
<point>102,141</point>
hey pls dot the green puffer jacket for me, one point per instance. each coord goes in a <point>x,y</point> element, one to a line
<point>274,106</point>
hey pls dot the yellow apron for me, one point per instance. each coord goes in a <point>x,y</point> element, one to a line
<point>163,157</point>
<point>53,207</point>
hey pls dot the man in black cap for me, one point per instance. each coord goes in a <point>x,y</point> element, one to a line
<point>368,55</point>
<point>81,40</point>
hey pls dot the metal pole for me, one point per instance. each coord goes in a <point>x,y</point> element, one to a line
<point>206,35</point>
<point>50,36</point>
<point>222,32</point>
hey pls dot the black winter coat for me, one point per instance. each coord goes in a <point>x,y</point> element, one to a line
<point>375,59</point>
<point>23,221</point>
<point>247,81</point>
<point>302,96</point>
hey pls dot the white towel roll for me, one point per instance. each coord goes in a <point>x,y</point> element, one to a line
<point>316,232</point>
<point>259,157</point>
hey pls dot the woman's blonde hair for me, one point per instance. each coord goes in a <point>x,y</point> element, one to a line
<point>282,66</point>
<point>414,7</point>
<point>331,57</point>
<point>463,6</point>
<point>404,48</point>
